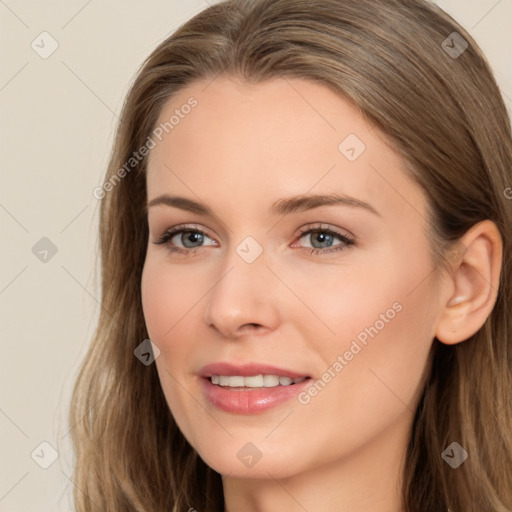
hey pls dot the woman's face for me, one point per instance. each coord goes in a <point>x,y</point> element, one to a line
<point>263,273</point>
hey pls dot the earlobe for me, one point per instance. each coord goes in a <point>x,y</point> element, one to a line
<point>473,284</point>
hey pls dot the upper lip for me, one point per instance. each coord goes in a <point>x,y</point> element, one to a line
<point>247,369</point>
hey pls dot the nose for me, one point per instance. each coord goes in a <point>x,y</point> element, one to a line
<point>243,299</point>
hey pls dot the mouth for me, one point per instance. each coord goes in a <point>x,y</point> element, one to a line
<point>251,394</point>
<point>240,382</point>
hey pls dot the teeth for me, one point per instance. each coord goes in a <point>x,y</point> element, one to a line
<point>254,381</point>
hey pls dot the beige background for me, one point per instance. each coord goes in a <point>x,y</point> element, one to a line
<point>57,120</point>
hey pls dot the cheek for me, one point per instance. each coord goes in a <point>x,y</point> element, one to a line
<point>171,306</point>
<point>166,299</point>
<point>381,309</point>
<point>344,303</point>
<point>375,363</point>
<point>168,305</point>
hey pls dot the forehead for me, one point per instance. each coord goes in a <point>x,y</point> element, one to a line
<point>281,137</point>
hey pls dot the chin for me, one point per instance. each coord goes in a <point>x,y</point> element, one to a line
<point>250,460</point>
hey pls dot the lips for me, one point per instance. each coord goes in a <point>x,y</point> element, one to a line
<point>254,399</point>
<point>247,401</point>
<point>247,370</point>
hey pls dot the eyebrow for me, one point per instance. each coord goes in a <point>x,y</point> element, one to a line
<point>281,207</point>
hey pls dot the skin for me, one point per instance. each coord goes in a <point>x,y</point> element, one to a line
<point>344,449</point>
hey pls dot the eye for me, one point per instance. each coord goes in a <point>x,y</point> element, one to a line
<point>189,237</point>
<point>322,240</point>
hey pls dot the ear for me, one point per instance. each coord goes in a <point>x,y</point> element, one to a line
<point>470,293</point>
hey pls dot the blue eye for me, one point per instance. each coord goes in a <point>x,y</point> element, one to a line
<point>186,236</point>
<point>192,239</point>
<point>324,237</point>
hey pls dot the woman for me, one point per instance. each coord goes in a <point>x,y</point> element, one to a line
<point>306,212</point>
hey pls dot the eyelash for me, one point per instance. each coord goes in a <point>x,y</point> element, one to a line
<point>165,238</point>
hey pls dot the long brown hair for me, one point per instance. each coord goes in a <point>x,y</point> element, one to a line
<point>440,105</point>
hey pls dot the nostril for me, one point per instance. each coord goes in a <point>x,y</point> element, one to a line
<point>251,325</point>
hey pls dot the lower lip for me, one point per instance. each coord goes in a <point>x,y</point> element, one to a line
<point>250,400</point>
